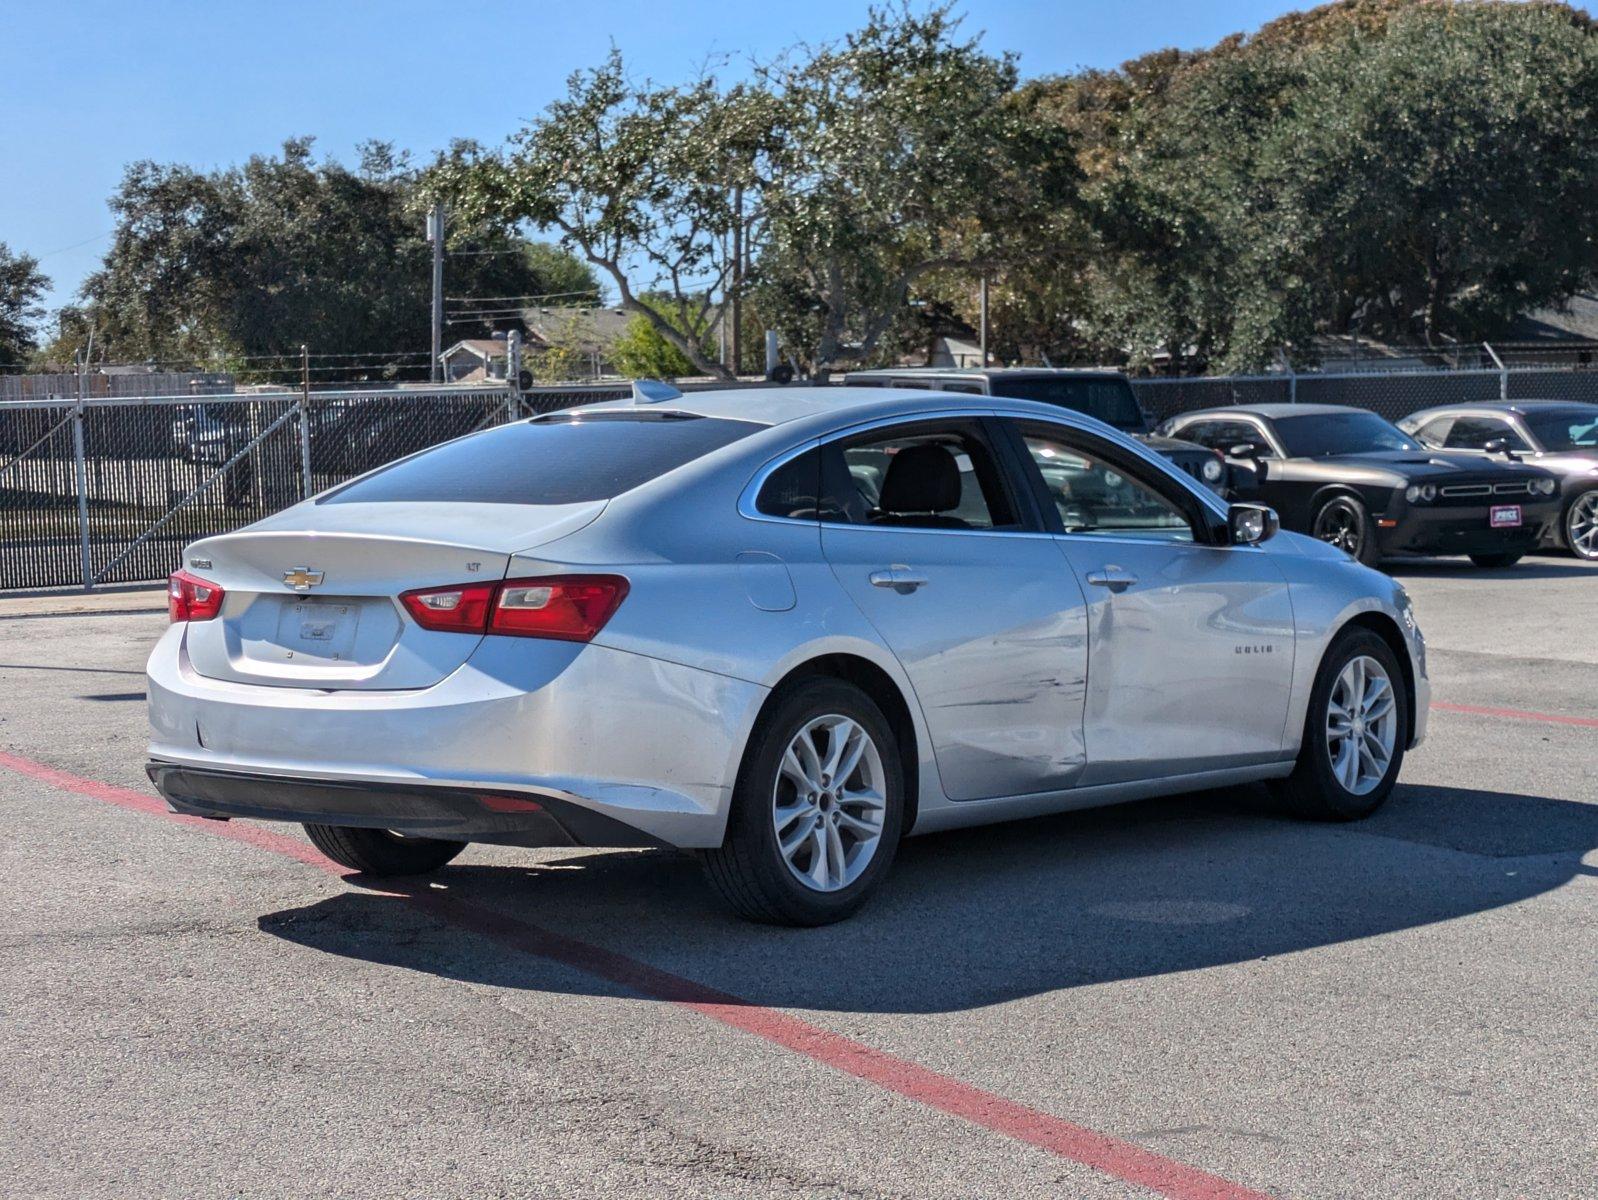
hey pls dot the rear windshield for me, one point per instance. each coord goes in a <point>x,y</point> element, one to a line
<point>1110,400</point>
<point>1323,435</point>
<point>1566,429</point>
<point>561,459</point>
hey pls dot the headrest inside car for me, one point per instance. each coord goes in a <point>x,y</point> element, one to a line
<point>921,479</point>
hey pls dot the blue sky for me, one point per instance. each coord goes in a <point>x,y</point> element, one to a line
<point>90,85</point>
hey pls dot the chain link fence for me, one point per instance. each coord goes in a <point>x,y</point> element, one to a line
<point>1392,395</point>
<point>108,489</point>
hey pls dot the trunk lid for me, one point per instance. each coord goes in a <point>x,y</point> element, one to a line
<point>311,594</point>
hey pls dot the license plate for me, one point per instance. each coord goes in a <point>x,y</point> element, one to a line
<point>1504,516</point>
<point>318,629</point>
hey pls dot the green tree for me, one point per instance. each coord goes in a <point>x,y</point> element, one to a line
<point>1412,171</point>
<point>254,261</point>
<point>907,151</point>
<point>22,288</point>
<point>641,350</point>
<point>641,181</point>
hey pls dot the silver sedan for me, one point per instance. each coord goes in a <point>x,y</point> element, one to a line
<point>780,628</point>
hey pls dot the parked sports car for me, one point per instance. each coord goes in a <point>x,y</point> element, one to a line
<point>1106,395</point>
<point>780,628</point>
<point>1348,477</point>
<point>1553,434</point>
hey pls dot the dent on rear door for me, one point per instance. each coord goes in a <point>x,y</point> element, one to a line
<point>995,646</point>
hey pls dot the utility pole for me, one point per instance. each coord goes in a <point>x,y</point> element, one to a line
<point>513,375</point>
<point>435,234</point>
<point>735,340</point>
<point>983,306</point>
<point>306,483</point>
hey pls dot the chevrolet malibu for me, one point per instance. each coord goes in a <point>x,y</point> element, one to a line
<point>779,629</point>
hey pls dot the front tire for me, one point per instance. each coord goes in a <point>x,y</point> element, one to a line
<point>1580,526</point>
<point>817,810</point>
<point>1345,522</point>
<point>1496,562</point>
<point>1354,734</point>
<point>379,852</point>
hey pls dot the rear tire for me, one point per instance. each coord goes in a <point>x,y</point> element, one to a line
<point>379,852</point>
<point>1345,522</point>
<point>802,847</point>
<point>1496,562</point>
<point>1326,785</point>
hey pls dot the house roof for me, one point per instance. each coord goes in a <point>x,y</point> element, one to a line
<point>1576,320</point>
<point>589,328</point>
<point>595,329</point>
<point>484,348</point>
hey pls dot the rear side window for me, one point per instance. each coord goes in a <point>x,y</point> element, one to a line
<point>565,460</point>
<point>790,491</point>
<point>922,476</point>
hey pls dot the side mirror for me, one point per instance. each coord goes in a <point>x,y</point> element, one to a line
<point>1243,450</point>
<point>1499,446</point>
<point>1251,524</point>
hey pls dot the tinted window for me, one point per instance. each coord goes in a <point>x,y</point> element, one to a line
<point>1473,433</point>
<point>1223,435</point>
<point>559,460</point>
<point>1317,435</point>
<point>1110,400</point>
<point>922,476</point>
<point>1575,429</point>
<point>790,491</point>
<point>1435,431</point>
<point>1093,496</point>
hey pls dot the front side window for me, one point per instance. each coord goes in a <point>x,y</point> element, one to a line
<point>925,476</point>
<point>1097,497</point>
<point>1473,433</point>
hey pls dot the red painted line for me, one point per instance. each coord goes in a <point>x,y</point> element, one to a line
<point>1110,1155</point>
<point>1515,714</point>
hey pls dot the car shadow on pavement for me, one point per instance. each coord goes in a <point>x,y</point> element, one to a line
<point>988,915</point>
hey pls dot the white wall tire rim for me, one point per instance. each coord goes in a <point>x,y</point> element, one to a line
<point>829,803</point>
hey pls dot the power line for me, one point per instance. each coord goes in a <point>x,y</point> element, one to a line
<point>75,245</point>
<point>528,296</point>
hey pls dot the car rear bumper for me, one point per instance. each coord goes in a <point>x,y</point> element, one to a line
<point>1465,530</point>
<point>649,745</point>
<point>419,810</point>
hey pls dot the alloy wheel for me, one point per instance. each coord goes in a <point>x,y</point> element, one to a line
<point>1361,725</point>
<point>1581,525</point>
<point>1339,524</point>
<point>829,803</point>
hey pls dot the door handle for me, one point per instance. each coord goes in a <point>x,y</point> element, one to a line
<point>898,577</point>
<point>1113,578</point>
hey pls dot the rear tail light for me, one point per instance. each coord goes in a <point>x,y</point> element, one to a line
<point>462,609</point>
<point>570,608</point>
<point>190,598</point>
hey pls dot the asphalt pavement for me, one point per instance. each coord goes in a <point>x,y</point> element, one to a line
<point>1190,998</point>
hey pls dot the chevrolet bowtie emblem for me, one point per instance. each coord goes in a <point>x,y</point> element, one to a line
<point>302,578</point>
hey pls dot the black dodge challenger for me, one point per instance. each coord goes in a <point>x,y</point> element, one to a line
<point>1348,477</point>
